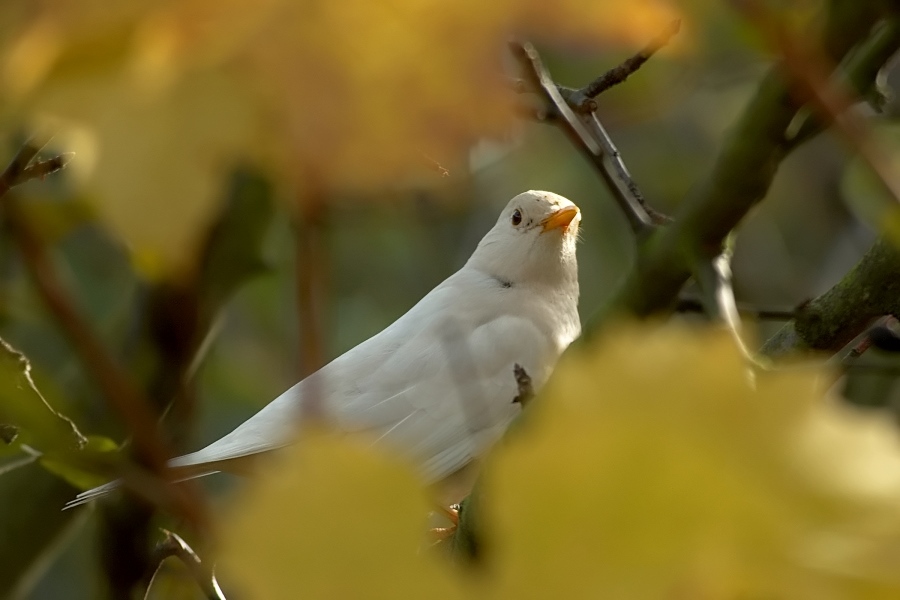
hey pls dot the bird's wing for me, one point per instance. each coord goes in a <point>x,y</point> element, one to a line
<point>446,394</point>
<point>437,385</point>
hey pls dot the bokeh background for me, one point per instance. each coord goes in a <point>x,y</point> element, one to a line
<point>360,151</point>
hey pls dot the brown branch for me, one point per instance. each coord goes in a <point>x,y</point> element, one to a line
<point>868,291</point>
<point>310,280</point>
<point>589,136</point>
<point>714,279</point>
<point>885,336</point>
<point>25,364</point>
<point>43,168</point>
<point>120,392</point>
<point>14,174</point>
<point>687,304</point>
<point>582,100</point>
<point>524,386</point>
<point>809,71</point>
<point>172,545</point>
<point>740,178</point>
<point>859,72</point>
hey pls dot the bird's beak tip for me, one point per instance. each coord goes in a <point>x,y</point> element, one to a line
<point>561,218</point>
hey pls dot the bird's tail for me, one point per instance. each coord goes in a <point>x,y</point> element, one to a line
<point>93,494</point>
<point>182,470</point>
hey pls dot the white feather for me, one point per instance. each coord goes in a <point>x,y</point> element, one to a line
<point>438,384</point>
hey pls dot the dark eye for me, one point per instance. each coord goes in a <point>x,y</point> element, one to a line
<point>516,217</point>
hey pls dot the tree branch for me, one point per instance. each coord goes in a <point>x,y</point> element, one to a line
<point>172,545</point>
<point>687,304</point>
<point>870,290</point>
<point>859,73</point>
<point>741,177</point>
<point>714,279</point>
<point>582,100</point>
<point>589,136</point>
<point>524,386</point>
<point>120,392</point>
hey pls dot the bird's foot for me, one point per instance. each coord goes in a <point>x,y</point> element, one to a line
<point>442,534</point>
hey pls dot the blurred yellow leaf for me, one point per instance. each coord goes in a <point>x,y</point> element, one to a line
<point>334,520</point>
<point>652,469</point>
<point>329,94</point>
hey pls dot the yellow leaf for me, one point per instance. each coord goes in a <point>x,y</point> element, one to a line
<point>652,469</point>
<point>333,520</point>
<point>334,95</point>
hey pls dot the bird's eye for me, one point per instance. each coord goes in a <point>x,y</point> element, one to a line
<point>516,217</point>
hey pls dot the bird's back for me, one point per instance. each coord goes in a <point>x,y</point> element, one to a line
<point>437,385</point>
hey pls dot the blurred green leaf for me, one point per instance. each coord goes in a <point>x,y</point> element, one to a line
<point>23,406</point>
<point>233,249</point>
<point>8,433</point>
<point>863,192</point>
<point>79,468</point>
<point>31,521</point>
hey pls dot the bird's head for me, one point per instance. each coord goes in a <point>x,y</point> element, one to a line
<point>532,242</point>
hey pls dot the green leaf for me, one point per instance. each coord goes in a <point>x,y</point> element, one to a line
<point>31,520</point>
<point>84,469</point>
<point>232,253</point>
<point>8,433</point>
<point>23,406</point>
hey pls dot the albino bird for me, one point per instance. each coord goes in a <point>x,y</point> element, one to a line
<point>438,384</point>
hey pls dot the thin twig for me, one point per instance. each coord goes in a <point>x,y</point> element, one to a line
<point>23,461</point>
<point>695,305</point>
<point>588,136</point>
<point>14,174</point>
<point>852,350</point>
<point>885,337</point>
<point>8,433</point>
<point>43,168</point>
<point>831,99</point>
<point>310,272</point>
<point>582,100</point>
<point>435,165</point>
<point>740,178</point>
<point>172,545</point>
<point>120,392</point>
<point>859,73</point>
<point>714,279</point>
<point>524,387</point>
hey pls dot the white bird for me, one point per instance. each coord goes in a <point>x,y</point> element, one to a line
<point>438,384</point>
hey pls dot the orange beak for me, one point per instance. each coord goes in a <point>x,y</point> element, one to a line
<point>561,218</point>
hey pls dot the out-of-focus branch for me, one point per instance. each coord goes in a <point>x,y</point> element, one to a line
<point>741,177</point>
<point>808,71</point>
<point>524,386</point>
<point>14,174</point>
<point>589,136</point>
<point>885,336</point>
<point>870,290</point>
<point>120,392</point>
<point>42,168</point>
<point>859,73</point>
<point>310,278</point>
<point>876,332</point>
<point>714,279</point>
<point>582,100</point>
<point>695,305</point>
<point>173,546</point>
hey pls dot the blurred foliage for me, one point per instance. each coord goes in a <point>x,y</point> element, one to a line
<point>717,487</point>
<point>160,95</point>
<point>206,133</point>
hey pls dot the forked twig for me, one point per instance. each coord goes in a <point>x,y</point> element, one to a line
<point>173,545</point>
